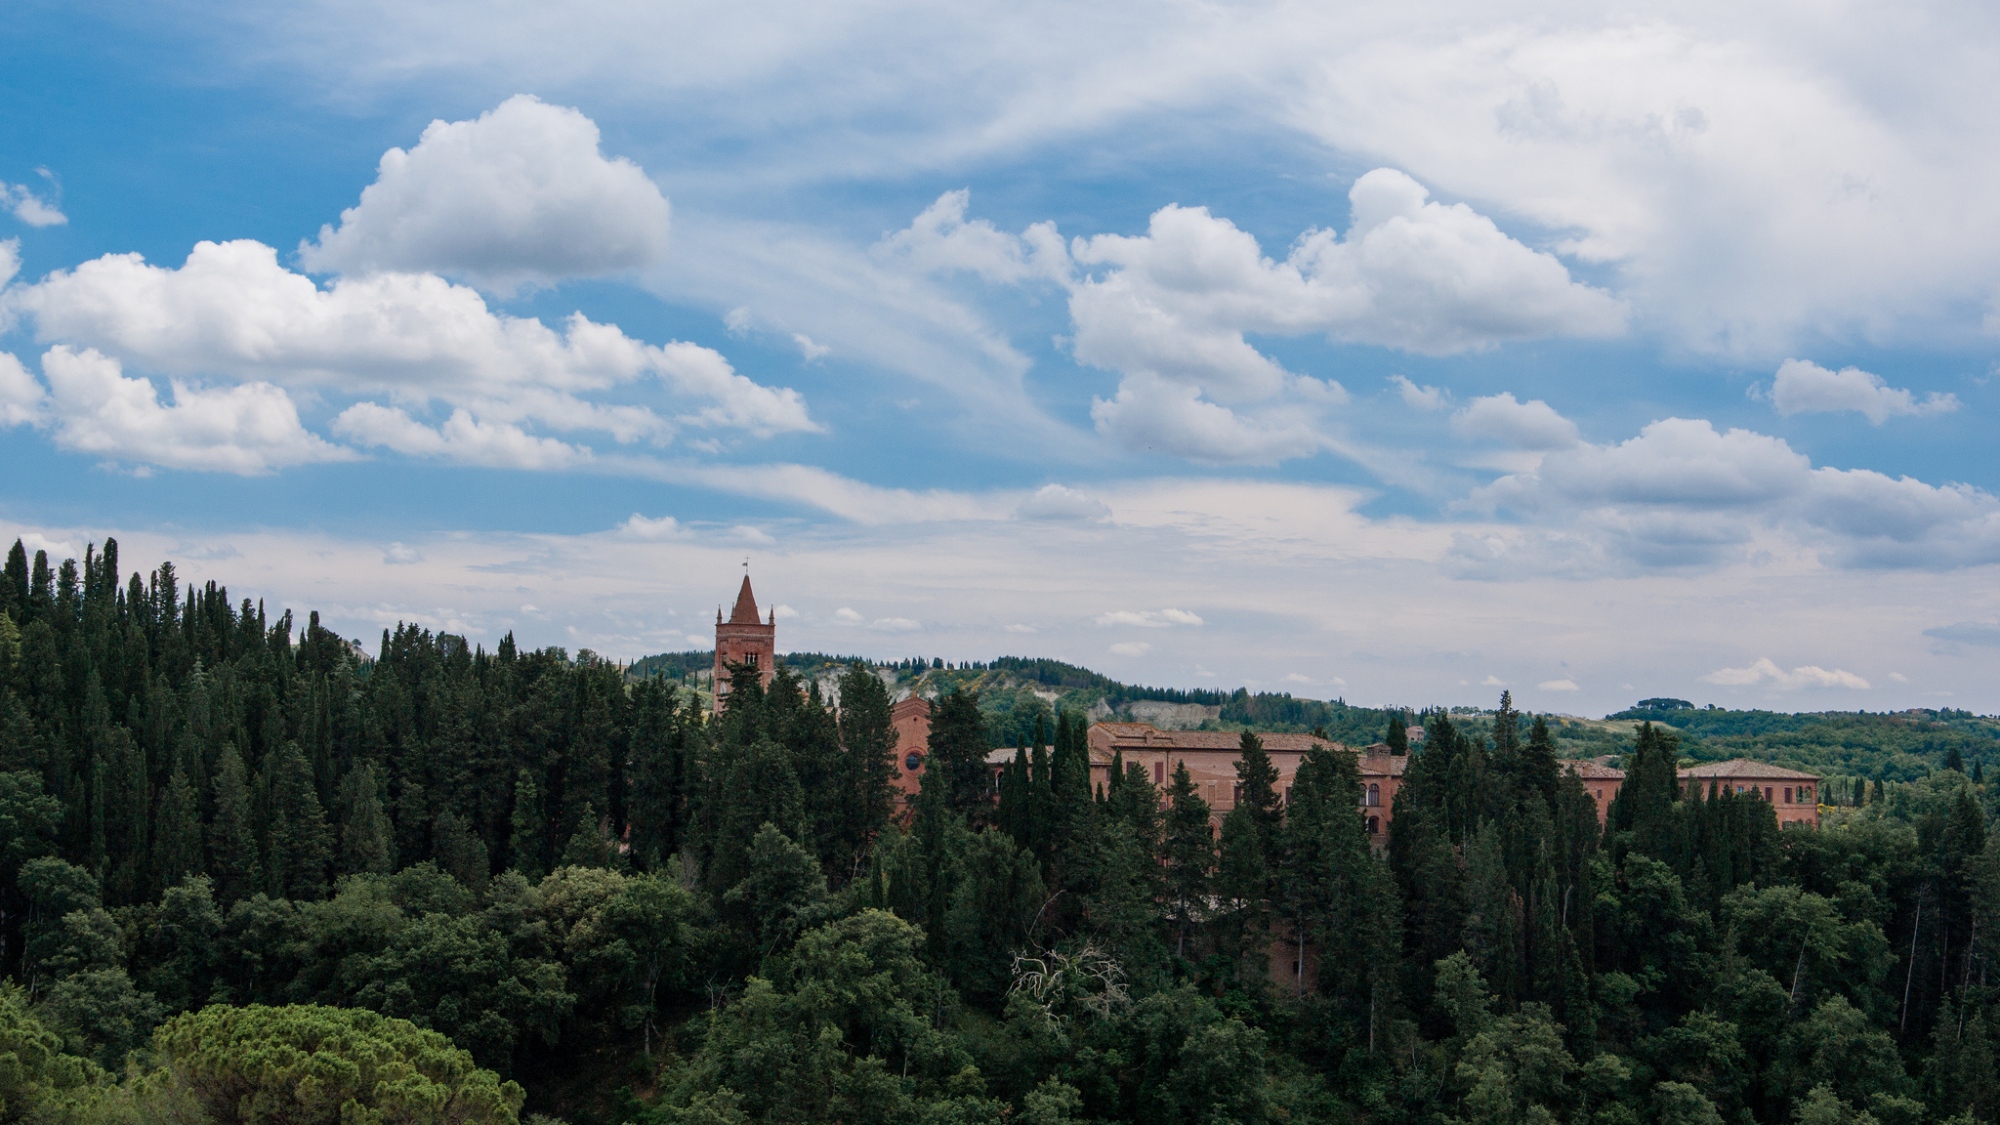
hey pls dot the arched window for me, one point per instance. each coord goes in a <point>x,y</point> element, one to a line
<point>1374,796</point>
<point>1374,826</point>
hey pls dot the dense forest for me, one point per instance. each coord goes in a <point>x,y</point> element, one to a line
<point>249,874</point>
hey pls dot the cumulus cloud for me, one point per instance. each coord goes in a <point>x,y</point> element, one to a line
<point>1420,398</point>
<point>10,264</point>
<point>1058,502</point>
<point>847,616</point>
<point>1766,673</point>
<point>940,240</point>
<point>461,438</point>
<point>1532,425</point>
<point>1682,493</point>
<point>1150,618</point>
<point>1804,387</point>
<point>646,527</point>
<point>231,311</point>
<point>523,194</point>
<point>20,201</point>
<point>21,397</point>
<point>248,429</point>
<point>1150,414</point>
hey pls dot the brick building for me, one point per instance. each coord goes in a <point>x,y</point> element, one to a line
<point>743,640</point>
<point>1793,794</point>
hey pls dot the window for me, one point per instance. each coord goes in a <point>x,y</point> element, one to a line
<point>1374,796</point>
<point>1236,794</point>
<point>1374,826</point>
<point>1788,794</point>
<point>1288,794</point>
<point>913,762</point>
<point>1806,795</point>
<point>1767,794</point>
<point>1159,773</point>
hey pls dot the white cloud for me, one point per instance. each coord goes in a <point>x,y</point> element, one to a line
<point>939,240</point>
<point>21,397</point>
<point>1803,387</point>
<point>232,311</point>
<point>397,554</point>
<point>1058,502</point>
<point>784,612</point>
<point>1150,619</point>
<point>1420,398</point>
<point>1155,415</point>
<point>809,349</point>
<point>1019,628</point>
<point>1492,681</point>
<point>10,264</point>
<point>1531,425</point>
<point>521,195</point>
<point>895,625</point>
<point>30,208</point>
<point>1559,685</point>
<point>1766,673</point>
<point>1682,493</point>
<point>460,438</point>
<point>1131,648</point>
<point>248,429</point>
<point>649,528</point>
<point>847,616</point>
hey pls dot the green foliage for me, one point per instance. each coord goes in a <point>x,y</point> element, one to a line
<point>308,1065</point>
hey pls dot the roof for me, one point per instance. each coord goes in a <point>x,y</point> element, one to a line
<point>745,612</point>
<point>1747,769</point>
<point>1370,765</point>
<point>1594,771</point>
<point>1136,736</point>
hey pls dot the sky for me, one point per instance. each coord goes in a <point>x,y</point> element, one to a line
<point>1401,353</point>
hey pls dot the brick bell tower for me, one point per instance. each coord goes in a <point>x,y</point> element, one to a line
<point>744,640</point>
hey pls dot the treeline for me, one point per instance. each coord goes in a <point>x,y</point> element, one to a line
<point>1896,746</point>
<point>621,909</point>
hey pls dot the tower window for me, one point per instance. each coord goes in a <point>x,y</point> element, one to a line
<point>913,762</point>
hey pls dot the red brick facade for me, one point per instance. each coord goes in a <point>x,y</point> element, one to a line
<point>743,640</point>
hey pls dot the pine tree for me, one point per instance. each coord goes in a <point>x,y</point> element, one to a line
<point>366,843</point>
<point>460,852</point>
<point>232,846</point>
<point>1257,786</point>
<point>958,752</point>
<point>1398,737</point>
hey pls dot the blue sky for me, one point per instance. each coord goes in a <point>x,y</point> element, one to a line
<point>1395,352</point>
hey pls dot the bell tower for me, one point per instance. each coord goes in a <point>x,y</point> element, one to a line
<point>743,639</point>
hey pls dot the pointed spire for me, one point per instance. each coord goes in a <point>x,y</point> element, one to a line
<point>745,612</point>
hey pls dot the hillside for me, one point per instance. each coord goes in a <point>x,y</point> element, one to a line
<point>1844,746</point>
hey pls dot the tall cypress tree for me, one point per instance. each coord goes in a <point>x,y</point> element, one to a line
<point>367,846</point>
<point>1188,856</point>
<point>869,766</point>
<point>958,752</point>
<point>1399,733</point>
<point>177,837</point>
<point>527,837</point>
<point>300,845</point>
<point>232,845</point>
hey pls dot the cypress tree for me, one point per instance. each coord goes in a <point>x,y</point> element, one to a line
<point>232,847</point>
<point>177,840</point>
<point>366,843</point>
<point>1189,857</point>
<point>1257,785</point>
<point>1399,733</point>
<point>527,837</point>
<point>460,852</point>
<point>869,764</point>
<point>300,845</point>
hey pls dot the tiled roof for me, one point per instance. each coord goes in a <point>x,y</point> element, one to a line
<point>1747,770</point>
<point>1594,771</point>
<point>1127,736</point>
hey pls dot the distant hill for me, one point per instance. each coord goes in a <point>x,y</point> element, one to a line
<point>1015,690</point>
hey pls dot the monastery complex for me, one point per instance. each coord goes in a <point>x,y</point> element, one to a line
<point>1211,756</point>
